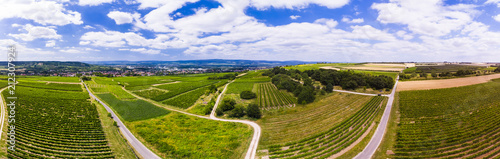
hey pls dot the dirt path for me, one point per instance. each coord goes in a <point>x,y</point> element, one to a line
<point>61,82</point>
<point>2,117</point>
<point>444,83</point>
<point>354,143</point>
<point>330,67</point>
<point>251,152</point>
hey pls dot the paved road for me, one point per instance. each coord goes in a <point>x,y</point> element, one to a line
<point>381,129</point>
<point>142,150</point>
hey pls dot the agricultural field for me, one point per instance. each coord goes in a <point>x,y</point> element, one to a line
<point>180,136</point>
<point>456,122</point>
<point>247,82</point>
<point>57,124</point>
<point>285,125</point>
<point>175,89</point>
<point>318,66</point>
<point>443,68</point>
<point>132,110</point>
<point>334,140</point>
<point>186,100</point>
<point>378,67</point>
<point>444,83</point>
<point>49,78</point>
<point>52,86</point>
<point>268,96</point>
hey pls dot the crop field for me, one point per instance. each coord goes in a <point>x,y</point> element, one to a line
<point>268,96</point>
<point>52,86</point>
<point>457,122</point>
<point>180,136</point>
<point>444,83</point>
<point>293,124</point>
<point>114,89</point>
<point>332,141</point>
<point>246,82</point>
<point>49,78</point>
<point>149,93</point>
<point>443,68</point>
<point>175,89</point>
<point>133,110</point>
<point>186,100</point>
<point>57,124</point>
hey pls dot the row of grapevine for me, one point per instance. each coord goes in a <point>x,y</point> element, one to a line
<point>268,96</point>
<point>331,142</point>
<point>450,123</point>
<point>57,124</point>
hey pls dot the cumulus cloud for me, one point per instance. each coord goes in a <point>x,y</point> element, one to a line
<point>50,43</point>
<point>36,32</point>
<point>264,4</point>
<point>493,2</point>
<point>427,17</point>
<point>294,17</point>
<point>146,51</point>
<point>358,20</point>
<point>93,2</point>
<point>42,12</point>
<point>497,18</point>
<point>122,17</point>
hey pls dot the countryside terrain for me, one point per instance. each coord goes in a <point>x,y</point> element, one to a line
<point>324,110</point>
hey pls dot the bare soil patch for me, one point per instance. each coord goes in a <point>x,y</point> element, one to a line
<point>385,65</point>
<point>445,83</point>
<point>376,68</point>
<point>330,68</point>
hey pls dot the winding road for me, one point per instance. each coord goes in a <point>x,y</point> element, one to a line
<point>142,150</point>
<point>148,154</point>
<point>2,117</point>
<point>381,129</point>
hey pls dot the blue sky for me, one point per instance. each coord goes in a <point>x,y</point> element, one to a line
<point>307,30</point>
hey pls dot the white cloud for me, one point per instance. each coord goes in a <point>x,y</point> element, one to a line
<point>122,17</point>
<point>88,27</point>
<point>404,35</point>
<point>50,43</point>
<point>493,2</point>
<point>42,12</point>
<point>93,2</point>
<point>294,17</point>
<point>146,51</point>
<point>358,20</point>
<point>497,18</point>
<point>113,39</point>
<point>36,32</point>
<point>71,51</point>
<point>294,4</point>
<point>427,17</point>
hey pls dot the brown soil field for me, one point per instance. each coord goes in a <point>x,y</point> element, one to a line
<point>445,83</point>
<point>376,68</point>
<point>385,65</point>
<point>330,67</point>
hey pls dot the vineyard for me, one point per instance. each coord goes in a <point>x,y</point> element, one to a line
<point>332,141</point>
<point>57,124</point>
<point>52,86</point>
<point>133,110</point>
<point>175,89</point>
<point>268,96</point>
<point>457,122</point>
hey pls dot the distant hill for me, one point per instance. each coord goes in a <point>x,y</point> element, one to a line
<point>201,63</point>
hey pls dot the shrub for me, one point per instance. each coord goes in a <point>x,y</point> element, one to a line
<point>329,87</point>
<point>498,69</point>
<point>247,95</point>
<point>237,112</point>
<point>253,111</point>
<point>227,104</point>
<point>219,111</point>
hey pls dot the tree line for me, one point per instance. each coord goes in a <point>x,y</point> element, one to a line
<point>305,90</point>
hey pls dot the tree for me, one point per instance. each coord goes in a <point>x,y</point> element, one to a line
<point>227,104</point>
<point>497,70</point>
<point>329,88</point>
<point>237,112</point>
<point>212,89</point>
<point>434,74</point>
<point>85,78</point>
<point>306,95</point>
<point>247,95</point>
<point>78,75</point>
<point>219,111</point>
<point>350,84</point>
<point>253,111</point>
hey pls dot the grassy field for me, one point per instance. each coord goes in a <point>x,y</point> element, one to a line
<point>52,86</point>
<point>280,126</point>
<point>246,82</point>
<point>180,136</point>
<point>317,66</point>
<point>132,110</point>
<point>449,123</point>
